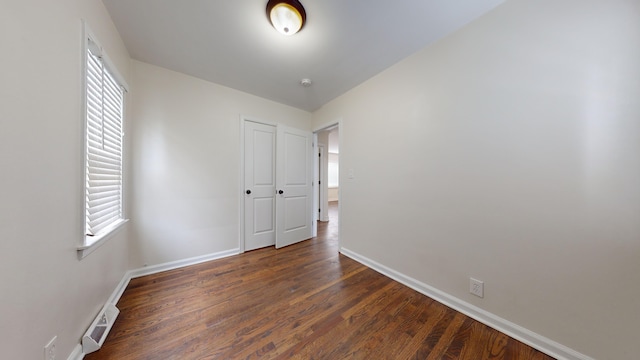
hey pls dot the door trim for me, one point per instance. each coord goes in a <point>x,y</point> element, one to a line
<point>322,182</point>
<point>315,186</point>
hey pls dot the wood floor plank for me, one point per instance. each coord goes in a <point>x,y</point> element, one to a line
<point>461,341</point>
<point>304,301</point>
<point>447,337</point>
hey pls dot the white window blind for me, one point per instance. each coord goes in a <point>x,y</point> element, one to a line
<point>104,117</point>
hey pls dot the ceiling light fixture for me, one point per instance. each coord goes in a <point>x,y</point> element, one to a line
<point>286,16</point>
<point>305,82</point>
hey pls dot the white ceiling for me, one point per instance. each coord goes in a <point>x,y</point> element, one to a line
<point>230,42</point>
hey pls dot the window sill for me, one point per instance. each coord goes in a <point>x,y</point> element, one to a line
<point>94,242</point>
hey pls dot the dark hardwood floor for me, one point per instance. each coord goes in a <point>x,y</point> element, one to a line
<point>304,301</point>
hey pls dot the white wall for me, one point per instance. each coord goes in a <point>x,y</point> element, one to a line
<point>44,289</point>
<point>512,154</point>
<point>186,162</point>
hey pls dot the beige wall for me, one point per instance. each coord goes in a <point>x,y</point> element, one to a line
<point>44,289</point>
<point>186,162</point>
<point>511,154</point>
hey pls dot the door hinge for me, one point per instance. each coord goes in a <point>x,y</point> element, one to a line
<point>319,182</point>
<point>319,210</point>
<point>319,154</point>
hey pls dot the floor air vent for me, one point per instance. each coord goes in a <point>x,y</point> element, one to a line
<point>99,329</point>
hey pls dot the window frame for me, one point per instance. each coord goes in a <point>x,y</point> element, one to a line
<point>89,243</point>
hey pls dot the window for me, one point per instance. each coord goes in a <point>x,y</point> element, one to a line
<point>104,116</point>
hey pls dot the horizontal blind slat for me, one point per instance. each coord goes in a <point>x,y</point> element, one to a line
<point>104,185</point>
<point>97,219</point>
<point>98,191</point>
<point>95,197</point>
<point>104,176</point>
<point>105,170</point>
<point>100,166</point>
<point>100,212</point>
<point>103,158</point>
<point>106,150</point>
<point>101,186</point>
<point>104,200</point>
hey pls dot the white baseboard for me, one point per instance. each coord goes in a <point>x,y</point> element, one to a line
<point>77,353</point>
<point>517,332</point>
<point>148,270</point>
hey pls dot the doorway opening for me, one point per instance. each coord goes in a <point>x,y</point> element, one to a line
<point>327,177</point>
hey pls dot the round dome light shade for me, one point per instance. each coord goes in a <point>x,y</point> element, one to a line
<point>287,17</point>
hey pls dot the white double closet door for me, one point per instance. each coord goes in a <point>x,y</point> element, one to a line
<point>278,193</point>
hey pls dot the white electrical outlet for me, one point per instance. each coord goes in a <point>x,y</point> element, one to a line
<point>50,349</point>
<point>476,287</point>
